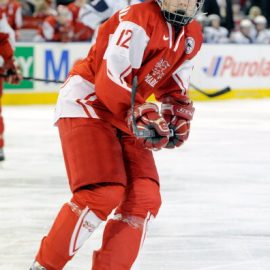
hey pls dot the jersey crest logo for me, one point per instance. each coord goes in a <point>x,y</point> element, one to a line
<point>189,45</point>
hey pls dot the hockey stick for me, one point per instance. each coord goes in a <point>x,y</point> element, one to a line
<point>146,133</point>
<point>212,95</point>
<point>215,94</point>
<point>34,79</point>
<point>42,80</point>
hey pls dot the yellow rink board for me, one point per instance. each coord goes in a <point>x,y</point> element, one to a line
<point>31,98</point>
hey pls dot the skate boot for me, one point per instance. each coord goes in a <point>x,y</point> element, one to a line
<point>37,266</point>
<point>2,156</point>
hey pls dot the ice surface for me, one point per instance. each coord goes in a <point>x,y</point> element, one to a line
<point>216,191</point>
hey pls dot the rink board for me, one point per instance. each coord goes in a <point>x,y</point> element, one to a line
<point>245,68</point>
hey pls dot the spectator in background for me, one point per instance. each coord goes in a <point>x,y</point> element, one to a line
<point>262,34</point>
<point>264,6</point>
<point>238,14</point>
<point>44,8</point>
<point>246,33</point>
<point>82,32</point>
<point>37,11</point>
<point>254,12</point>
<point>215,33</point>
<point>57,27</point>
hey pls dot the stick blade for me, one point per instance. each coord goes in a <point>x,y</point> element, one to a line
<point>220,92</point>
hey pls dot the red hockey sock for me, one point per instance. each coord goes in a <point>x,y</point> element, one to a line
<point>122,239</point>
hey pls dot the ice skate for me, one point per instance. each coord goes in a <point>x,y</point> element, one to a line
<point>37,266</point>
<point>2,156</point>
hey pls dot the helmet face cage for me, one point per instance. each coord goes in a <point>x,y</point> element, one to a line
<point>180,12</point>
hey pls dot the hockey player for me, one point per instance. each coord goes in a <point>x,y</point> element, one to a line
<point>7,67</point>
<point>107,165</point>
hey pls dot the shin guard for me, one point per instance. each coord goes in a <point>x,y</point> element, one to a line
<point>72,227</point>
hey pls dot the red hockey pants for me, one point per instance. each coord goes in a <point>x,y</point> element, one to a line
<point>94,154</point>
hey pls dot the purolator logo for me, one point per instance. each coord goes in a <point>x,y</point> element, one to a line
<point>221,66</point>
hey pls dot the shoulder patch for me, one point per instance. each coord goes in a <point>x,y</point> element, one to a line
<point>189,45</point>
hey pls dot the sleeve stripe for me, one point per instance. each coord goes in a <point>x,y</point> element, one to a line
<point>178,40</point>
<point>125,74</point>
<point>180,83</point>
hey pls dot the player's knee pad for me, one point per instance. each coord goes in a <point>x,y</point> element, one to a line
<point>87,222</point>
<point>153,201</point>
<point>142,197</point>
<point>92,206</point>
<point>101,200</point>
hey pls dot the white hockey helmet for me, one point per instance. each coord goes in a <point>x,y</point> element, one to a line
<point>180,12</point>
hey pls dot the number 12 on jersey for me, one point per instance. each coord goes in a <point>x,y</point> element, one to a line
<point>124,38</point>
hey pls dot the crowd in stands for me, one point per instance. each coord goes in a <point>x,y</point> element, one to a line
<point>236,21</point>
<point>223,21</point>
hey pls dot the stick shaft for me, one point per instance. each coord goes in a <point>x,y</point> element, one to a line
<point>42,80</point>
<point>34,79</point>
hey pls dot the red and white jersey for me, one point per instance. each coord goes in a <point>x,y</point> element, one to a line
<point>136,41</point>
<point>7,40</point>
